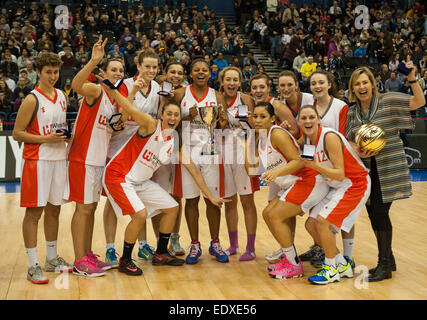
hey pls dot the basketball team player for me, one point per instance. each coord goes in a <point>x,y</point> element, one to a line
<point>40,115</point>
<point>300,188</point>
<point>195,135</point>
<point>333,114</point>
<point>87,156</point>
<point>127,179</point>
<point>235,176</point>
<point>350,187</point>
<point>148,101</point>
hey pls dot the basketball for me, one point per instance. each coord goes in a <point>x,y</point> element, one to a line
<point>370,137</point>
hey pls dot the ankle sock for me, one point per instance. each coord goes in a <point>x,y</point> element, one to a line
<point>127,250</point>
<point>162,246</point>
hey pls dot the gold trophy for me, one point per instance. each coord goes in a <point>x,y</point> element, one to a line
<point>209,116</point>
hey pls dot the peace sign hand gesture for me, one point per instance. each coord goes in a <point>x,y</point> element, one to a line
<point>98,50</point>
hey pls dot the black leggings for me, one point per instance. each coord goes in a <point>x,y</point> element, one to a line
<point>377,210</point>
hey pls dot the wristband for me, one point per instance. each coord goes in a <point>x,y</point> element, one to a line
<point>412,82</point>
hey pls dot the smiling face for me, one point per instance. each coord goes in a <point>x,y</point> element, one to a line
<point>319,85</point>
<point>48,75</point>
<point>148,68</point>
<point>175,75</point>
<point>362,88</point>
<point>287,87</point>
<point>115,71</point>
<point>231,83</point>
<point>308,121</point>
<point>260,90</point>
<point>200,73</point>
<point>171,116</point>
<point>262,118</point>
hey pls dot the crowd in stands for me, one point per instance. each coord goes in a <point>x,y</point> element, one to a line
<point>298,38</point>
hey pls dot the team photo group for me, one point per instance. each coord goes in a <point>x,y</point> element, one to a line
<point>166,116</point>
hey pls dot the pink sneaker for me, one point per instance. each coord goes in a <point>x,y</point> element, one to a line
<point>98,263</point>
<point>276,266</point>
<point>86,267</point>
<point>288,270</point>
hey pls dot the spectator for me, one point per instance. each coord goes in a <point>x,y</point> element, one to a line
<point>213,80</point>
<point>275,28</point>
<point>18,101</point>
<point>72,96</point>
<point>68,59</point>
<point>226,48</point>
<point>380,84</point>
<point>20,87</point>
<point>117,50</point>
<point>361,51</point>
<point>127,36</point>
<point>32,75</point>
<point>308,68</point>
<point>393,84</point>
<point>335,11</point>
<point>299,61</point>
<point>195,49</point>
<point>293,49</point>
<point>220,61</point>
<point>394,62</point>
<point>80,41</point>
<point>179,53</point>
<point>9,67</point>
<point>4,103</point>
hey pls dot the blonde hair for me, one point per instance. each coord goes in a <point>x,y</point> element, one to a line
<point>226,69</point>
<point>354,76</point>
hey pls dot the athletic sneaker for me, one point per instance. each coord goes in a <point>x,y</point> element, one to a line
<point>86,267</point>
<point>352,263</point>
<point>276,266</point>
<point>166,259</point>
<point>216,250</point>
<point>287,270</point>
<point>35,275</point>
<point>57,265</point>
<point>345,271</point>
<point>274,257</point>
<point>194,254</point>
<point>318,259</point>
<point>325,275</point>
<point>146,252</point>
<point>174,246</point>
<point>129,267</point>
<point>99,264</point>
<point>306,256</point>
<point>111,258</point>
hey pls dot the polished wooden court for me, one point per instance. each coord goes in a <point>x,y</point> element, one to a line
<point>211,280</point>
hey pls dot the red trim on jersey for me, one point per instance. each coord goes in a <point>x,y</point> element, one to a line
<point>194,96</point>
<point>113,183</point>
<point>348,203</point>
<point>234,100</point>
<point>83,128</point>
<point>221,180</point>
<point>31,150</point>
<point>255,184</point>
<point>343,120</point>
<point>319,132</point>
<point>76,182</point>
<point>46,96</point>
<point>177,181</point>
<point>29,192</point>
<point>301,190</point>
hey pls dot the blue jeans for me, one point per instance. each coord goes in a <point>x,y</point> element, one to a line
<point>274,41</point>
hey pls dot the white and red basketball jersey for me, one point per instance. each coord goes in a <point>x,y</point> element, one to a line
<point>303,99</point>
<point>232,110</point>
<point>353,166</point>
<point>335,116</point>
<point>196,129</point>
<point>149,104</point>
<point>49,115</point>
<point>271,158</point>
<point>141,156</point>
<point>92,133</point>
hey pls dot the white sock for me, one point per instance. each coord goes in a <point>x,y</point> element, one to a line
<point>291,255</point>
<point>142,243</point>
<point>51,252</point>
<point>339,259</point>
<point>348,245</point>
<point>330,262</point>
<point>32,256</point>
<point>110,245</point>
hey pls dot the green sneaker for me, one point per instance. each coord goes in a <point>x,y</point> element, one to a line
<point>146,252</point>
<point>175,247</point>
<point>35,275</point>
<point>57,265</point>
<point>111,258</point>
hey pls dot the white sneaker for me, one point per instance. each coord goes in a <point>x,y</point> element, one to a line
<point>274,257</point>
<point>345,271</point>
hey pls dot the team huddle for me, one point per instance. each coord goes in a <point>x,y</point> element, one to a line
<point>145,152</point>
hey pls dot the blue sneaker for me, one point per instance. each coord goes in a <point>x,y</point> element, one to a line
<point>195,253</point>
<point>111,258</point>
<point>325,275</point>
<point>146,252</point>
<point>216,250</point>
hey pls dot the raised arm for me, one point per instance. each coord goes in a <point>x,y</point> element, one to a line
<point>90,90</point>
<point>418,99</point>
